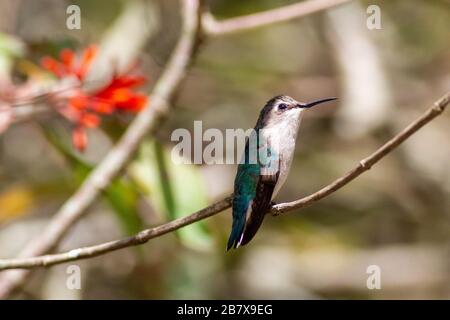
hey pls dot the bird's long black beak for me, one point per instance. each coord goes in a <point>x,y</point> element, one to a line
<point>313,103</point>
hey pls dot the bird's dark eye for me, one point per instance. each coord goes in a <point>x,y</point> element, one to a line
<point>282,106</point>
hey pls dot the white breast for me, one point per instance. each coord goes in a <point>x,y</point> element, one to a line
<point>286,131</point>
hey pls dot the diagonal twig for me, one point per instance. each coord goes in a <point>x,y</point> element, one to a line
<point>142,237</point>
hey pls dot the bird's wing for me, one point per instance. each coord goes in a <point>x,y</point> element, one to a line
<point>253,190</point>
<point>260,205</point>
<point>245,186</point>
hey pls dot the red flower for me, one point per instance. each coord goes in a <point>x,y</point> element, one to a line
<point>84,108</point>
<point>68,65</point>
<point>119,93</point>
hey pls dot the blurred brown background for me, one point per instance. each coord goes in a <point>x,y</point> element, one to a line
<point>396,216</point>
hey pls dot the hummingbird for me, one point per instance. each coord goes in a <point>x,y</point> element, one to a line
<point>260,175</point>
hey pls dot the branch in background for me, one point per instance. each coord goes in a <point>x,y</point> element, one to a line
<point>145,235</point>
<point>213,27</point>
<point>121,153</point>
<point>27,112</point>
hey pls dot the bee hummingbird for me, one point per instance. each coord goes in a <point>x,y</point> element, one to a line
<point>260,175</point>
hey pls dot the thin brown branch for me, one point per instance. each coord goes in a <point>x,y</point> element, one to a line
<point>96,250</point>
<point>142,237</point>
<point>213,27</point>
<point>116,159</point>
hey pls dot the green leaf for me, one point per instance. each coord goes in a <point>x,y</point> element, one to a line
<point>174,190</point>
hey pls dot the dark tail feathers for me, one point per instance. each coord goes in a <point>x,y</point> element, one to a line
<point>244,231</point>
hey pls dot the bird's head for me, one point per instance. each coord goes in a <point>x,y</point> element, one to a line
<point>284,108</point>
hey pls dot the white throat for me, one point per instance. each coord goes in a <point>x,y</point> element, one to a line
<point>282,136</point>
